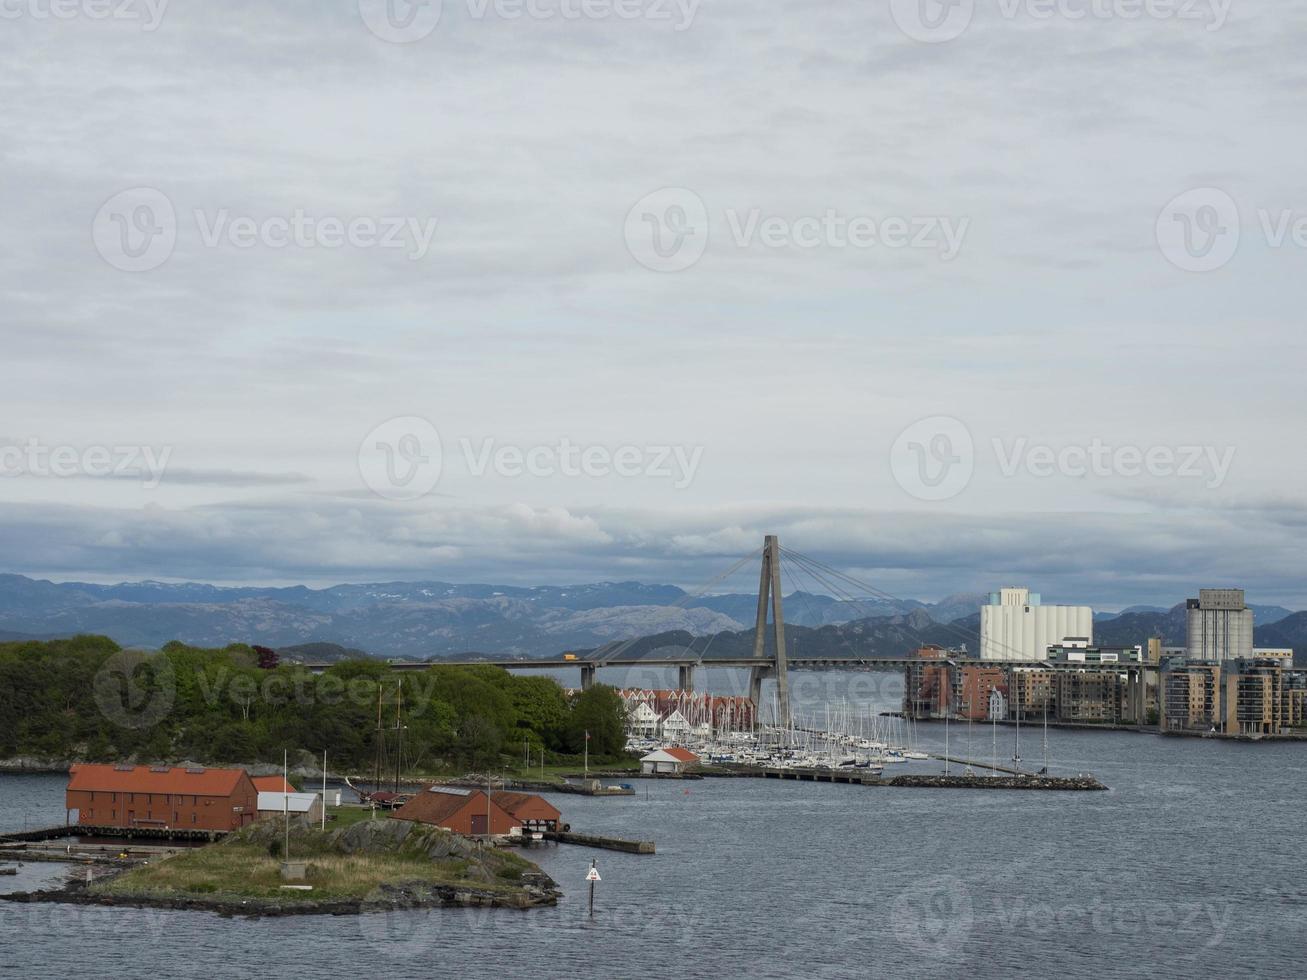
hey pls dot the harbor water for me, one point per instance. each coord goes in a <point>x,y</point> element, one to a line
<point>1191,865</point>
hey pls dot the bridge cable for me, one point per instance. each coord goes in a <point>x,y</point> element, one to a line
<point>962,631</point>
<point>603,659</point>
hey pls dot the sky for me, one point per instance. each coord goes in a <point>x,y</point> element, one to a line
<point>952,296</point>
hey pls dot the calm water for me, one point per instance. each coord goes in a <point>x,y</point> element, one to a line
<point>1193,865</point>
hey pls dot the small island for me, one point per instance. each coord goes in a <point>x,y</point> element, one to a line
<point>373,865</point>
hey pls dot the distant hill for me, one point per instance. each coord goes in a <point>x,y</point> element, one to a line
<point>1289,632</point>
<point>320,653</point>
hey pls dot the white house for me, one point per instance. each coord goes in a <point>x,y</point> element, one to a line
<point>675,726</point>
<point>642,719</point>
<point>296,804</point>
<point>997,705</point>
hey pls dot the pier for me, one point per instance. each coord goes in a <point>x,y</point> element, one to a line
<point>603,843</point>
<point>861,777</point>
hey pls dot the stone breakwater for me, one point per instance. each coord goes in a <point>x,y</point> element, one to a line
<point>996,782</point>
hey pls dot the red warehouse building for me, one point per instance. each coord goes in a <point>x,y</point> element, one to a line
<point>161,797</point>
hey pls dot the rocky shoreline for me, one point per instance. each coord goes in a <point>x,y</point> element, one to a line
<point>388,898</point>
<point>490,878</point>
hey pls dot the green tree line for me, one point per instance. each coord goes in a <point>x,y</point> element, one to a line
<point>86,698</point>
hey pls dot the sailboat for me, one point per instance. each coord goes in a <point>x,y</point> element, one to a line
<point>393,798</point>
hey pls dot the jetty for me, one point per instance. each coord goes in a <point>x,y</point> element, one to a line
<point>603,843</point>
<point>1024,781</point>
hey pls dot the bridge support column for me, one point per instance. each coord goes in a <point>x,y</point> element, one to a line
<point>685,680</point>
<point>769,586</point>
<point>588,677</point>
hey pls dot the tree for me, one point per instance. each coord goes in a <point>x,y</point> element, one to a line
<point>601,712</point>
<point>268,658</point>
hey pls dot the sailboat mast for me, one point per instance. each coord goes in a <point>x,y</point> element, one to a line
<point>399,730</point>
<point>376,755</point>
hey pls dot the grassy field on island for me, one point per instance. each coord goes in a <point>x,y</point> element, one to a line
<point>247,865</point>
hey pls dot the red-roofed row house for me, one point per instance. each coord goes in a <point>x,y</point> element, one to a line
<point>161,797</point>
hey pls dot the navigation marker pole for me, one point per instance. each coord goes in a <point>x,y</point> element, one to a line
<point>592,876</point>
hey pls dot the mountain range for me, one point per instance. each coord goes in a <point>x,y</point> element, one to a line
<point>412,619</point>
<point>422,620</point>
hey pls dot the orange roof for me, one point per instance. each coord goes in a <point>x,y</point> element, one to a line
<point>685,755</point>
<point>437,803</point>
<point>513,803</point>
<point>155,779</point>
<point>272,784</point>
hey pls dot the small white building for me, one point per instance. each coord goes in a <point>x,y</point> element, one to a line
<point>672,760</point>
<point>997,705</point>
<point>296,804</point>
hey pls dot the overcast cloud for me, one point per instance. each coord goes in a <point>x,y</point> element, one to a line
<point>340,231</point>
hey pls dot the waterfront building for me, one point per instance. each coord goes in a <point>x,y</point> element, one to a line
<point>160,797</point>
<point>1190,699</point>
<point>975,689</point>
<point>1263,696</point>
<point>1016,625</point>
<point>1031,692</point>
<point>464,811</point>
<point>1092,697</point>
<point>670,760</point>
<point>930,682</point>
<point>1219,626</point>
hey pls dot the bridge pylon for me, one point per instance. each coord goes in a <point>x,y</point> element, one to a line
<point>769,587</point>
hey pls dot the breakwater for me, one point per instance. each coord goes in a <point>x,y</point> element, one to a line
<point>996,782</point>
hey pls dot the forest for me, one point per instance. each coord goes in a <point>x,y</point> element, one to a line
<point>87,699</point>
